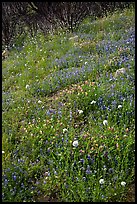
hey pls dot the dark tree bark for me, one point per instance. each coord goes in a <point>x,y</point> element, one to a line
<point>48,16</point>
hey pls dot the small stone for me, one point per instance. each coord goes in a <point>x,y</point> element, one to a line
<point>74,38</point>
<point>120,71</point>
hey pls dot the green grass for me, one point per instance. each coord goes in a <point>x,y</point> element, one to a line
<point>58,90</point>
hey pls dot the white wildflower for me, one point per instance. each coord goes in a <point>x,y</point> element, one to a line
<point>101,181</point>
<point>65,130</point>
<point>123,183</point>
<point>27,86</point>
<point>3,152</point>
<point>80,111</point>
<point>47,173</point>
<point>119,106</point>
<point>105,122</point>
<point>93,102</point>
<point>39,101</point>
<point>75,143</point>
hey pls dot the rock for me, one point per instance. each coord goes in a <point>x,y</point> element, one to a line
<point>74,38</point>
<point>120,71</point>
<point>84,44</point>
<point>5,53</point>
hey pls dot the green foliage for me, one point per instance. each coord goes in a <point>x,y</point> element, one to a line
<point>68,122</point>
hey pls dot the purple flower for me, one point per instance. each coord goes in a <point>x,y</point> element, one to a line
<point>14,178</point>
<point>111,170</point>
<point>6,181</point>
<point>82,160</point>
<point>88,157</point>
<point>88,171</point>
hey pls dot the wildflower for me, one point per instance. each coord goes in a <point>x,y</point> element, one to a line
<point>123,183</point>
<point>101,147</point>
<point>82,160</point>
<point>39,101</point>
<point>65,130</point>
<point>85,62</point>
<point>14,178</point>
<point>86,82</point>
<point>80,111</point>
<point>111,170</point>
<point>119,106</point>
<point>47,173</point>
<point>93,102</point>
<point>85,136</point>
<point>88,157</point>
<point>105,122</point>
<point>127,130</point>
<point>111,129</point>
<point>5,181</point>
<point>27,86</point>
<point>81,151</point>
<point>75,143</point>
<point>84,178</point>
<point>88,171</point>
<point>105,168</point>
<point>101,181</point>
<point>55,173</point>
<point>70,115</point>
<point>3,152</point>
<point>77,179</point>
<point>117,145</point>
<point>103,196</point>
<point>93,83</point>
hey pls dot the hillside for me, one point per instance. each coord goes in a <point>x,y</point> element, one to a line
<point>68,114</point>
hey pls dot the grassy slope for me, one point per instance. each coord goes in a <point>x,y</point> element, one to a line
<point>45,83</point>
